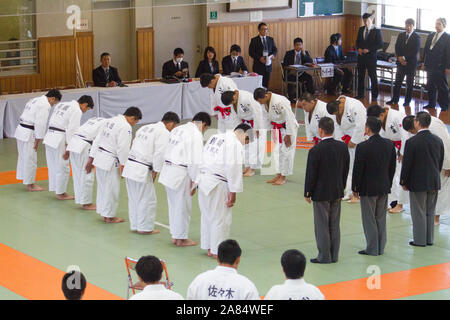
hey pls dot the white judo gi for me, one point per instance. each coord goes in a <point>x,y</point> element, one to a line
<point>146,155</point>
<point>227,118</point>
<point>182,160</point>
<point>283,123</point>
<point>110,150</point>
<point>79,147</point>
<point>312,125</point>
<point>220,173</point>
<point>33,124</point>
<point>222,283</point>
<point>63,123</point>
<point>156,292</point>
<point>297,289</point>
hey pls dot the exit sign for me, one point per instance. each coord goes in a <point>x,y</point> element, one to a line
<point>213,15</point>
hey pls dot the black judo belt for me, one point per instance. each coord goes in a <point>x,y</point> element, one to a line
<point>174,164</point>
<point>56,129</point>
<point>84,139</point>
<point>150,167</point>
<point>28,126</point>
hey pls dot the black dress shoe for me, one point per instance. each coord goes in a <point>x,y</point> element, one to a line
<point>429,244</point>
<point>429,107</point>
<point>315,260</point>
<point>363,252</point>
<point>411,243</point>
<point>391,102</point>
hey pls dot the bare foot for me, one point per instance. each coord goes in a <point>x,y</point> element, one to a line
<point>209,254</point>
<point>249,173</point>
<point>274,179</point>
<point>397,209</point>
<point>353,200</point>
<point>174,241</point>
<point>155,231</point>
<point>90,206</point>
<point>245,170</point>
<point>64,196</point>
<point>186,243</point>
<point>280,181</point>
<point>436,220</point>
<point>214,256</point>
<point>34,188</point>
<point>113,220</point>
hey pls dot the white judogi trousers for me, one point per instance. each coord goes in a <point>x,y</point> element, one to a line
<point>216,217</point>
<point>26,161</point>
<point>397,192</point>
<point>348,187</point>
<point>83,182</point>
<point>283,156</point>
<point>443,200</point>
<point>255,151</point>
<point>141,204</point>
<point>180,207</point>
<point>108,190</point>
<point>58,169</point>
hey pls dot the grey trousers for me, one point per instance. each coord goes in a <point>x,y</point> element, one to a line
<point>327,215</point>
<point>373,212</point>
<point>423,210</point>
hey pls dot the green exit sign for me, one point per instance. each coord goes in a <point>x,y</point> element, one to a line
<point>213,15</point>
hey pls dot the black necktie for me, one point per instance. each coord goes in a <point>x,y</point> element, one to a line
<point>366,33</point>
<point>234,64</point>
<point>265,44</point>
<point>107,75</point>
<point>179,66</point>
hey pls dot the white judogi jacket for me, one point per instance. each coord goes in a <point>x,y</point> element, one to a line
<point>296,289</point>
<point>223,84</point>
<point>156,292</point>
<point>222,161</point>
<point>394,129</point>
<point>353,120</point>
<point>112,143</point>
<point>250,110</point>
<point>148,150</point>
<point>222,283</point>
<point>183,156</point>
<point>85,135</point>
<point>35,114</point>
<point>438,128</point>
<point>66,117</point>
<point>280,112</point>
<point>319,112</point>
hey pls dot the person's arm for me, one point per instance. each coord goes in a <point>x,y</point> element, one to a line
<point>285,63</point>
<point>233,163</point>
<point>73,125</point>
<point>359,39</point>
<point>312,170</point>
<point>199,70</point>
<point>417,45</point>
<point>392,164</point>
<point>187,67</point>
<point>360,125</point>
<point>257,115</point>
<point>309,135</point>
<point>447,55</point>
<point>225,68</point>
<point>123,144</point>
<point>274,48</point>
<point>377,42</point>
<point>252,50</point>
<point>358,169</point>
<point>307,58</point>
<point>243,65</point>
<point>441,156</point>
<point>165,71</point>
<point>406,163</point>
<point>98,79</point>
<point>118,80</point>
<point>161,141</point>
<point>397,45</point>
<point>328,56</point>
<point>346,165</point>
<point>40,124</point>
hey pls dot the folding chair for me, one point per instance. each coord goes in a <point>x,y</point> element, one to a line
<point>130,264</point>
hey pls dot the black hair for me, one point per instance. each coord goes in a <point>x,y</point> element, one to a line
<point>410,21</point>
<point>408,123</point>
<point>333,38</point>
<point>293,263</point>
<point>210,49</point>
<point>243,126</point>
<point>423,118</point>
<point>206,78</point>
<point>298,40</point>
<point>227,97</point>
<point>86,99</point>
<point>171,117</point>
<point>375,111</point>
<point>261,24</point>
<point>308,97</point>
<point>203,117</point>
<point>54,93</point>
<point>236,48</point>
<point>374,124</point>
<point>229,251</point>
<point>333,106</point>
<point>73,285</point>
<point>178,51</point>
<point>133,112</point>
<point>338,36</point>
<point>259,93</point>
<point>149,269</point>
<point>327,125</point>
<point>104,54</point>
<point>366,15</point>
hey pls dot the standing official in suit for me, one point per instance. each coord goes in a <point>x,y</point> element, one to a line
<point>436,57</point>
<point>106,75</point>
<point>407,47</point>
<point>334,54</point>
<point>421,168</point>
<point>263,50</point>
<point>369,40</point>
<point>233,62</point>
<point>326,175</point>
<point>209,64</point>
<point>373,172</point>
<point>176,67</point>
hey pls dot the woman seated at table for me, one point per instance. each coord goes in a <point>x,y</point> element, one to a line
<point>209,64</point>
<point>334,54</point>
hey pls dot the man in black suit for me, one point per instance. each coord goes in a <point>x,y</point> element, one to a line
<point>299,55</point>
<point>106,75</point>
<point>176,67</point>
<point>369,40</point>
<point>233,62</point>
<point>373,172</point>
<point>334,54</point>
<point>436,57</point>
<point>263,50</point>
<point>407,47</point>
<point>326,175</point>
<point>421,167</point>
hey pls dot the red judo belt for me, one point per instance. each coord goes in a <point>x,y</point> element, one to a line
<point>249,122</point>
<point>398,144</point>
<point>224,111</point>
<point>346,138</point>
<point>316,140</point>
<point>278,126</point>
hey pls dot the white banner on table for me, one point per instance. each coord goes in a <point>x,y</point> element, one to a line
<point>327,70</point>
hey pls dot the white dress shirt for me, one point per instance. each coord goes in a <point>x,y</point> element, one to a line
<point>156,292</point>
<point>297,289</point>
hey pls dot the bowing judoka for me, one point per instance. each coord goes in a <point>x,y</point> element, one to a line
<point>29,132</point>
<point>226,116</point>
<point>79,147</point>
<point>145,160</point>
<point>219,180</point>
<point>249,111</point>
<point>182,161</point>
<point>63,123</point>
<point>108,154</point>
<point>284,133</point>
<point>391,123</point>
<point>351,119</point>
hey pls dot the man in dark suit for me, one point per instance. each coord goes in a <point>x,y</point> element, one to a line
<point>263,50</point>
<point>334,54</point>
<point>326,175</point>
<point>373,172</point>
<point>298,55</point>
<point>233,62</point>
<point>436,57</point>
<point>106,75</point>
<point>421,167</point>
<point>407,47</point>
<point>176,68</point>
<point>368,42</point>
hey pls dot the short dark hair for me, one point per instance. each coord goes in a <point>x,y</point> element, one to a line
<point>410,21</point>
<point>259,93</point>
<point>338,36</point>
<point>104,54</point>
<point>408,123</point>
<point>54,93</point>
<point>327,125</point>
<point>366,15</point>
<point>243,126</point>
<point>149,269</point>
<point>374,124</point>
<point>86,99</point>
<point>236,48</point>
<point>75,289</point>
<point>333,38</point>
<point>423,118</point>
<point>308,97</point>
<point>375,111</point>
<point>203,117</point>
<point>171,117</point>
<point>178,51</point>
<point>206,78</point>
<point>133,112</point>
<point>333,106</point>
<point>298,40</point>
<point>293,263</point>
<point>229,251</point>
<point>227,97</point>
<point>261,24</point>
<point>210,49</point>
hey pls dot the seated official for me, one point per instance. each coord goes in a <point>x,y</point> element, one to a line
<point>334,54</point>
<point>106,75</point>
<point>209,64</point>
<point>233,62</point>
<point>176,67</point>
<point>298,56</point>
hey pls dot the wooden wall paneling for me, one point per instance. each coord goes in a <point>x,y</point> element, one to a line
<point>145,56</point>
